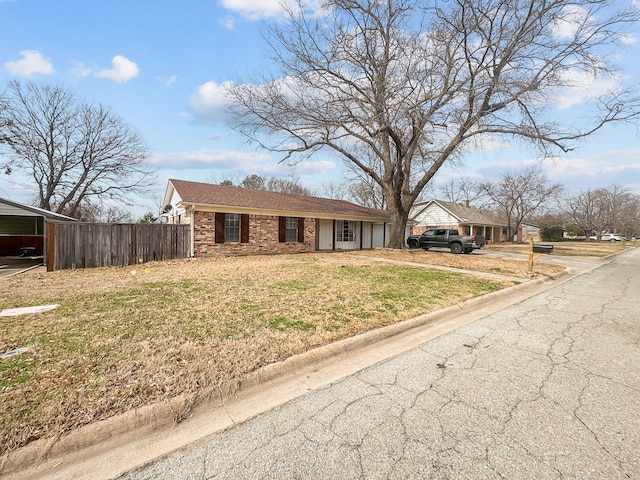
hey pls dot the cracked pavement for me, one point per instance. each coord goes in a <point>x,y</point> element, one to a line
<point>548,388</point>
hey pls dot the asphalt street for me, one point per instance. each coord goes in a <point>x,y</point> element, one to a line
<point>548,388</point>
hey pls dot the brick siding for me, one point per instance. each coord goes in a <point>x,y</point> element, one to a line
<point>263,237</point>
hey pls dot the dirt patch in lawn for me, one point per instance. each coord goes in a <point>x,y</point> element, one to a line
<point>122,338</point>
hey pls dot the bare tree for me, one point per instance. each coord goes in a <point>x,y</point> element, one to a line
<point>88,211</point>
<point>621,209</point>
<point>413,82</point>
<point>364,190</point>
<point>287,185</point>
<point>612,209</point>
<point>359,190</point>
<point>586,210</point>
<point>519,195</point>
<point>5,167</point>
<point>461,189</point>
<point>335,190</point>
<point>630,216</point>
<point>368,194</point>
<point>74,151</point>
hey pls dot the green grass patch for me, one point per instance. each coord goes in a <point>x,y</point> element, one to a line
<point>15,371</point>
<point>119,341</point>
<point>284,324</point>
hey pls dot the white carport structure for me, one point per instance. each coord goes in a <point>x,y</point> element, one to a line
<point>23,228</point>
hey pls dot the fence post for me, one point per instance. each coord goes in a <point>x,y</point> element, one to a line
<point>50,247</point>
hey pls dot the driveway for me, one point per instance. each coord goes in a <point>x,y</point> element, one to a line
<point>14,265</point>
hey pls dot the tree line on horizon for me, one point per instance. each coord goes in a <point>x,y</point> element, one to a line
<point>524,196</point>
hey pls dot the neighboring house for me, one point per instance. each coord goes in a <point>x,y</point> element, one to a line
<point>234,220</point>
<point>25,227</point>
<point>466,219</point>
<point>528,230</point>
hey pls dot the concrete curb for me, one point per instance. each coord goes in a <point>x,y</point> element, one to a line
<point>157,418</point>
<point>269,372</point>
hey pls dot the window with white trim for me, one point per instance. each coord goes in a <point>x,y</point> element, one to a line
<point>232,227</point>
<point>291,234</point>
<point>346,231</point>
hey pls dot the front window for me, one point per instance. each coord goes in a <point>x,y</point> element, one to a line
<point>346,231</point>
<point>232,227</point>
<point>291,234</point>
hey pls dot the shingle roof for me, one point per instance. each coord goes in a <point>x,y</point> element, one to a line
<point>222,195</point>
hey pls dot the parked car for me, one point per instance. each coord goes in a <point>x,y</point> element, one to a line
<point>608,237</point>
<point>446,238</point>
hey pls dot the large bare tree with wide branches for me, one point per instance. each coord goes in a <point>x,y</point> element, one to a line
<point>399,87</point>
<point>79,155</point>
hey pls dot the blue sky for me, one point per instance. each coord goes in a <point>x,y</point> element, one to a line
<point>161,65</point>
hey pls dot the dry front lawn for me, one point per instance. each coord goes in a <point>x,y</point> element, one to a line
<point>475,262</point>
<point>578,249</point>
<point>127,337</point>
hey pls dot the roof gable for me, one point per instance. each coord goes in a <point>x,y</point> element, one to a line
<point>206,194</point>
<point>465,215</point>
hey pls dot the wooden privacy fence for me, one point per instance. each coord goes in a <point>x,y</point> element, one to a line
<point>89,245</point>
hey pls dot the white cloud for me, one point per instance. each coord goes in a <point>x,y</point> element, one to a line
<point>168,81</point>
<point>235,162</point>
<point>581,87</point>
<point>254,9</point>
<point>597,172</point>
<point>208,159</point>
<point>210,102</point>
<point>32,63</point>
<point>80,70</point>
<point>123,70</point>
<point>260,9</point>
<point>228,22</point>
<point>574,18</point>
<point>628,39</point>
<point>562,168</point>
<point>592,170</point>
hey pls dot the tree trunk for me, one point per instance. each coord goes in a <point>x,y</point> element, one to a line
<point>399,218</point>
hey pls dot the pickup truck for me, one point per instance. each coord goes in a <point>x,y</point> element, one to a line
<point>446,238</point>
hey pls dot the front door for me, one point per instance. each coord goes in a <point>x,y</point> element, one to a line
<point>346,235</point>
<point>325,235</point>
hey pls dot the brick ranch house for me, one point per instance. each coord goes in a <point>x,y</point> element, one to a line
<point>466,219</point>
<point>232,220</point>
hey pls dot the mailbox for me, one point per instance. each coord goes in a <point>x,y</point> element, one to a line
<point>543,249</point>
